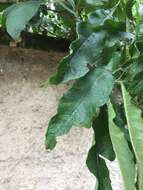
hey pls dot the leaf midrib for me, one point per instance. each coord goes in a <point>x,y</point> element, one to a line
<point>80,102</point>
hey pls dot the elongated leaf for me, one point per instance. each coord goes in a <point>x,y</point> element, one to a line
<point>103,146</point>
<point>98,167</point>
<point>103,142</point>
<point>123,152</point>
<point>18,16</point>
<point>135,127</point>
<point>78,105</point>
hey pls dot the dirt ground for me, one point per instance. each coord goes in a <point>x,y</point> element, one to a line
<point>25,109</point>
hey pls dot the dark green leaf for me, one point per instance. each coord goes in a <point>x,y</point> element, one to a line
<point>87,53</point>
<point>129,7</point>
<point>103,142</point>
<point>98,167</point>
<point>78,105</point>
<point>103,146</point>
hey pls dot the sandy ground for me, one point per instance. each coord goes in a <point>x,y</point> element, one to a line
<point>25,110</point>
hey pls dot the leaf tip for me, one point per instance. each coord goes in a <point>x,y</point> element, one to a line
<point>50,142</point>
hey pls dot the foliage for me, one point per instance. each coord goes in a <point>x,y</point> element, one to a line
<point>105,64</point>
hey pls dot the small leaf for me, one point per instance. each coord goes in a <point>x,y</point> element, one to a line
<point>78,105</point>
<point>135,127</point>
<point>17,16</point>
<point>123,152</point>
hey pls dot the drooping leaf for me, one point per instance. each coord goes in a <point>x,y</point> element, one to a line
<point>79,104</point>
<point>123,153</point>
<point>103,142</point>
<point>135,127</point>
<point>18,16</point>
<point>103,146</point>
<point>98,167</point>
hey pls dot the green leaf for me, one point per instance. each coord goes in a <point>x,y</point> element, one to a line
<point>89,49</point>
<point>99,16</point>
<point>135,76</point>
<point>136,86</point>
<point>97,3</point>
<point>78,105</point>
<point>88,52</point>
<point>129,6</point>
<point>136,67</point>
<point>135,127</point>
<point>84,31</point>
<point>19,15</point>
<point>103,146</point>
<point>123,152</point>
<point>98,167</point>
<point>114,61</point>
<point>103,142</point>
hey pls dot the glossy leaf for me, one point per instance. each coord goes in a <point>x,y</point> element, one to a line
<point>88,52</point>
<point>135,127</point>
<point>79,104</point>
<point>18,16</point>
<point>84,31</point>
<point>123,153</point>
